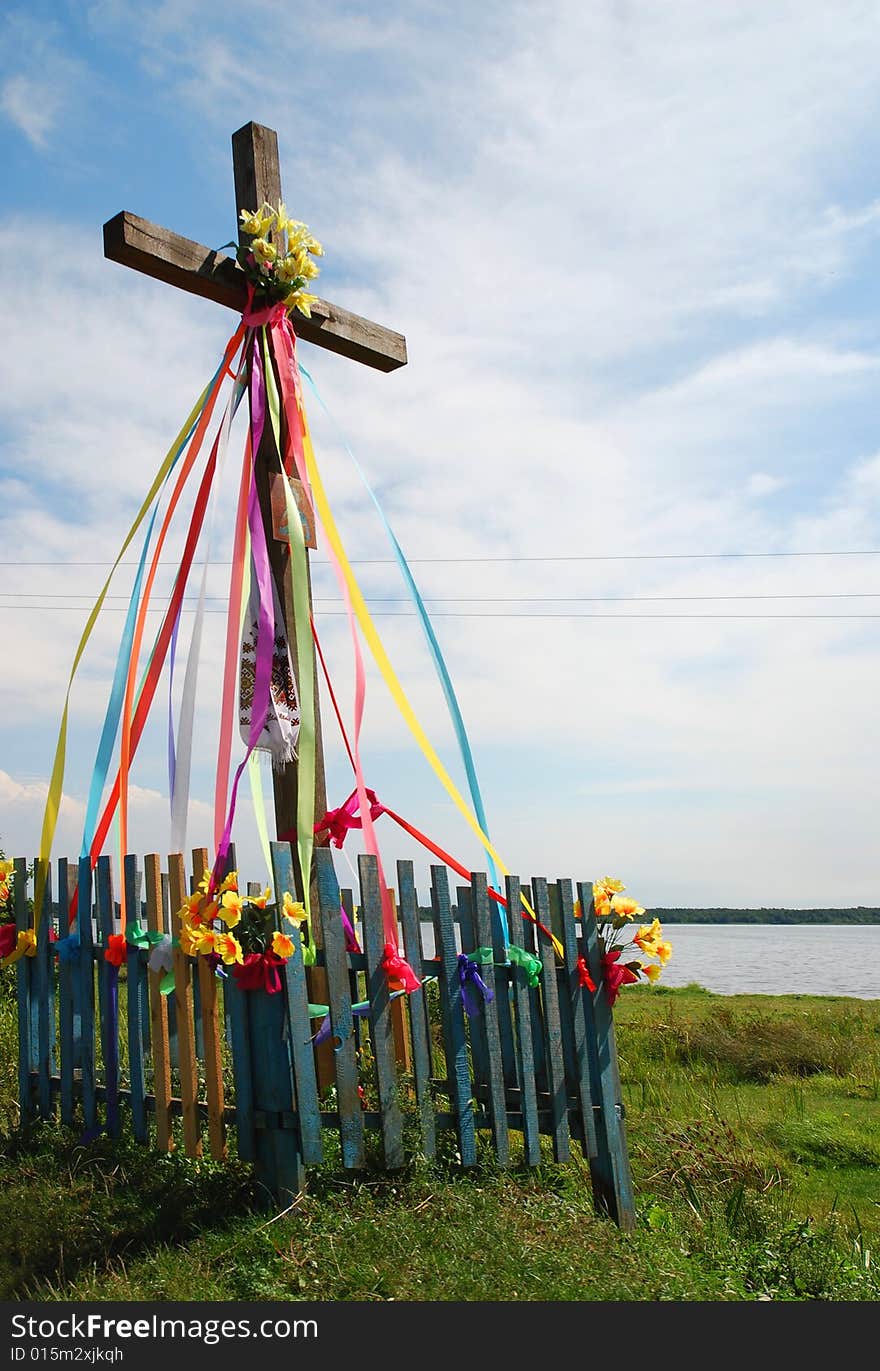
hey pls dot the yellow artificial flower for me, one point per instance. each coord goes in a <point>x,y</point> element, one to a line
<point>664,952</point>
<point>601,902</point>
<point>191,909</point>
<point>27,942</point>
<point>282,946</point>
<point>625,904</point>
<point>314,247</point>
<point>229,948</point>
<point>231,908</point>
<point>294,910</point>
<point>6,867</point>
<point>652,972</point>
<point>260,901</point>
<point>648,937</point>
<point>190,938</point>
<point>303,301</point>
<point>309,269</point>
<point>200,940</point>
<point>4,891</point>
<point>609,884</point>
<point>264,251</point>
<point>257,223</point>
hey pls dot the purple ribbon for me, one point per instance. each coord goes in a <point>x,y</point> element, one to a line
<point>469,978</point>
<point>266,631</point>
<point>359,1011</point>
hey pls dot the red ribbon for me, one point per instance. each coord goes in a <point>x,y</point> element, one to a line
<point>116,950</point>
<point>399,972</point>
<point>584,977</point>
<point>258,971</point>
<point>8,939</point>
<point>337,822</point>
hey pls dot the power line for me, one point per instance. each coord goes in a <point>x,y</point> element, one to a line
<point>575,557</point>
<point>493,599</point>
<point>479,614</point>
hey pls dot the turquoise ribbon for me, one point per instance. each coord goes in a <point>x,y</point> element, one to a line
<point>434,648</point>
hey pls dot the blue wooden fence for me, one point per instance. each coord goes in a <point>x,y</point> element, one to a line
<point>537,1061</point>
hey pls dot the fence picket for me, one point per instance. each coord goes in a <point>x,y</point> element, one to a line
<point>552,1027</point>
<point>44,982</point>
<point>87,993</point>
<point>381,1027</point>
<point>488,1027</point>
<point>452,1019</point>
<point>571,1006</point>
<point>420,1029</point>
<point>108,980</point>
<point>468,937</point>
<point>136,968</point>
<point>621,1202</point>
<point>209,1021</point>
<point>65,998</point>
<point>305,1080</point>
<point>522,1004</point>
<point>25,991</point>
<point>183,1006</point>
<point>159,1046</point>
<point>345,1060</point>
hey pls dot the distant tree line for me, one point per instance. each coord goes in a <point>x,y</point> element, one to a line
<point>862,914</point>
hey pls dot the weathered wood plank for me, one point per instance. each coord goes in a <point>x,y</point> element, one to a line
<point>65,998</point>
<point>166,256</point>
<point>305,1081</point>
<point>504,997</point>
<point>529,943</point>
<point>525,1055</point>
<point>622,1202</point>
<point>186,1046</point>
<point>279,1162</point>
<point>108,980</point>
<point>552,1027</point>
<point>86,970</point>
<point>23,990</point>
<point>43,983</point>
<point>345,1061</point>
<point>159,1045</point>
<point>381,1028</point>
<point>571,1008</point>
<point>420,1028</point>
<point>489,1027</point>
<point>136,968</point>
<point>476,1038</point>
<point>209,1019</point>
<point>452,1018</point>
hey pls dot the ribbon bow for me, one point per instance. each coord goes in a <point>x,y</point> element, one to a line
<point>161,960</point>
<point>259,971</point>
<point>337,822</point>
<point>68,948</point>
<point>529,963</point>
<point>116,948</point>
<point>584,977</point>
<point>399,972</point>
<point>468,978</point>
<point>143,938</point>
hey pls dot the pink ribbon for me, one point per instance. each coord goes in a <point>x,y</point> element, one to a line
<point>338,822</point>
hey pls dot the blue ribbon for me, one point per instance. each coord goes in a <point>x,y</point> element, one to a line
<point>67,949</point>
<point>469,978</point>
<point>434,648</point>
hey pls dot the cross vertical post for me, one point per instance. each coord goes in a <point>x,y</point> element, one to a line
<point>258,179</point>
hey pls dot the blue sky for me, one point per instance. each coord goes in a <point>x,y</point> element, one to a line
<point>634,250</point>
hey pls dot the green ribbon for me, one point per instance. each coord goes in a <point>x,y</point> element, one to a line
<point>144,938</point>
<point>517,956</point>
<point>529,963</point>
<point>166,985</point>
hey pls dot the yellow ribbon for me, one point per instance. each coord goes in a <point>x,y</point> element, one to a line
<point>56,784</point>
<point>381,657</point>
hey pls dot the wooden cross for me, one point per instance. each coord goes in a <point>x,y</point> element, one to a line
<point>203,271</point>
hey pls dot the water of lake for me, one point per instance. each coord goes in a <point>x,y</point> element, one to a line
<point>774,959</point>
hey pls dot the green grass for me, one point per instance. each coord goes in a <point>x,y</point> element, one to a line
<point>754,1126</point>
